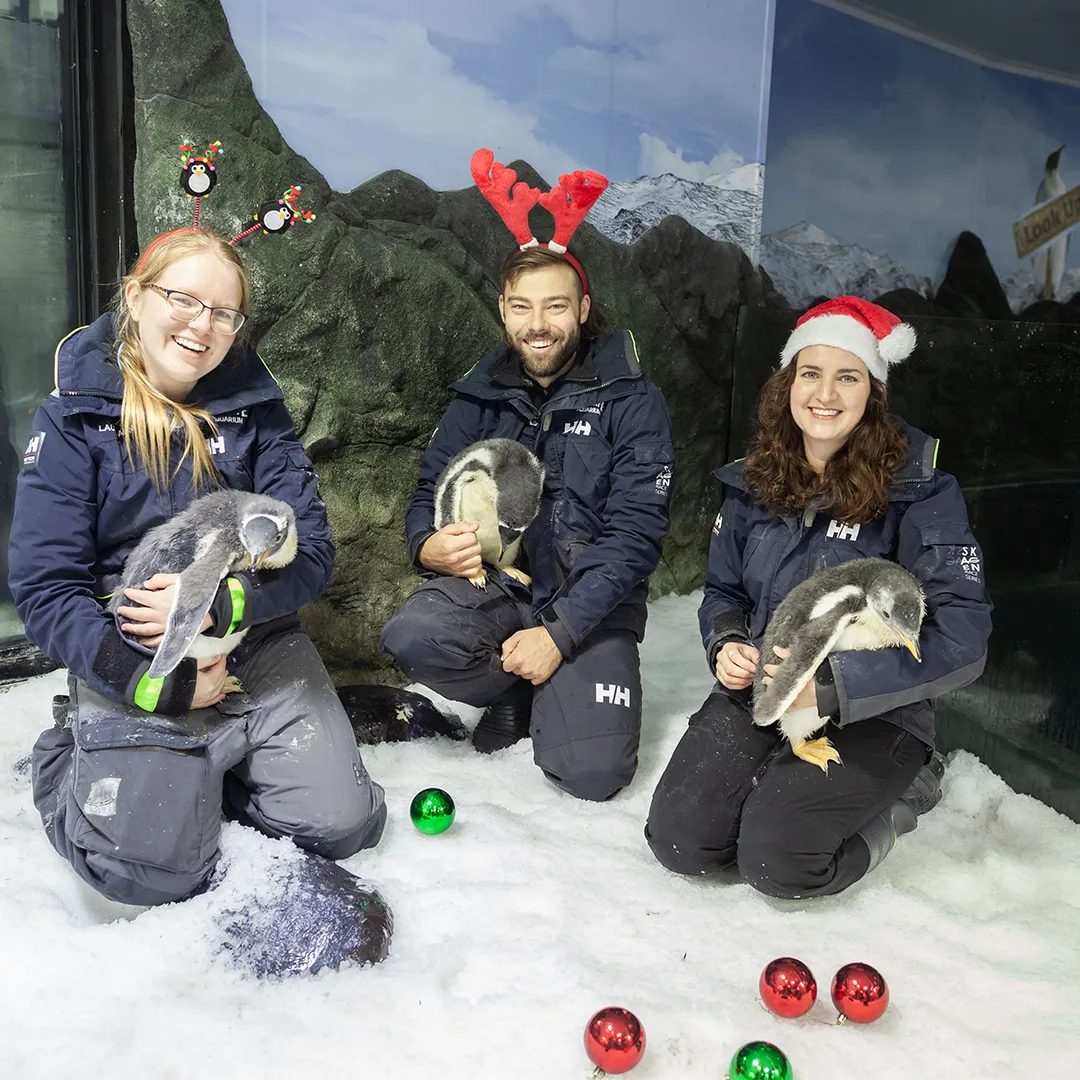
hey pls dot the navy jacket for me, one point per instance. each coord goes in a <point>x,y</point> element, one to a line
<point>81,506</point>
<point>604,436</point>
<point>756,558</point>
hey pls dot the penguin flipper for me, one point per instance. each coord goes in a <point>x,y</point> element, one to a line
<point>193,594</point>
<point>772,701</point>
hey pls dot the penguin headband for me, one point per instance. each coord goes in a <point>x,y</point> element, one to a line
<point>198,177</point>
<point>568,202</point>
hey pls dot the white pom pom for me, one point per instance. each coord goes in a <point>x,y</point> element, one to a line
<point>898,344</point>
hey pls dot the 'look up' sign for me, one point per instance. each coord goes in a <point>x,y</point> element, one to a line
<point>1045,222</point>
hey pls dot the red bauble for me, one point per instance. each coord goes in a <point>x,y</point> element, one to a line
<point>788,987</point>
<point>860,993</point>
<point>614,1040</point>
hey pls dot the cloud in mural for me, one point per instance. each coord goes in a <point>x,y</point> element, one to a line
<point>369,93</point>
<point>560,84</point>
<point>657,158</point>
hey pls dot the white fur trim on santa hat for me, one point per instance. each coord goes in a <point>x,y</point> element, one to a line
<point>845,332</point>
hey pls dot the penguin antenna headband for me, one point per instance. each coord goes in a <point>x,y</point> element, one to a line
<point>569,202</point>
<point>198,178</point>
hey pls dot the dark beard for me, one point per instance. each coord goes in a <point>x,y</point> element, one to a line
<point>549,365</point>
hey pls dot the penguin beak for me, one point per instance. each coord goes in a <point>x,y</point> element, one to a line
<point>909,644</point>
<point>507,536</point>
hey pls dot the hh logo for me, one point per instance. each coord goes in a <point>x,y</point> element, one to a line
<point>841,531</point>
<point>578,427</point>
<point>216,446</point>
<point>614,695</point>
<point>33,450</point>
<point>718,523</point>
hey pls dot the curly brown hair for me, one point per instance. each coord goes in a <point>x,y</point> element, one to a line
<point>855,485</point>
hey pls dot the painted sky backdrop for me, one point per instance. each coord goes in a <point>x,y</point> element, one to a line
<point>628,87</point>
<point>898,146</point>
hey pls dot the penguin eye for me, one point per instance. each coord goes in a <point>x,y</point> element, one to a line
<point>886,614</point>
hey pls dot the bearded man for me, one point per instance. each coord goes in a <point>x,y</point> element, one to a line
<point>557,661</point>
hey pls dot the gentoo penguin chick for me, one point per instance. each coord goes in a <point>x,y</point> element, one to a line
<point>497,484</point>
<point>217,535</point>
<point>862,604</point>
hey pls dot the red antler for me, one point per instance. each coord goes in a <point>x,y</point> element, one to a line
<point>512,201</point>
<point>570,201</point>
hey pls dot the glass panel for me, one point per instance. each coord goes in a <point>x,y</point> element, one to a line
<point>37,302</point>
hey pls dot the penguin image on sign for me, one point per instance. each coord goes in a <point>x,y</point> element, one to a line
<point>496,484</point>
<point>217,535</point>
<point>862,604</point>
<point>1049,263</point>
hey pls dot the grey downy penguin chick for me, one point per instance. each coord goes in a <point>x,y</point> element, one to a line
<point>217,535</point>
<point>497,484</point>
<point>862,604</point>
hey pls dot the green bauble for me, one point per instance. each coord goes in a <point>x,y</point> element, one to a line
<point>432,811</point>
<point>760,1061</point>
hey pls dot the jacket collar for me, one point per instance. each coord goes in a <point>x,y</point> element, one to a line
<point>916,471</point>
<point>87,376</point>
<point>495,376</point>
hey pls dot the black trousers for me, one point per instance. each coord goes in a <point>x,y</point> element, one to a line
<point>586,719</point>
<point>734,795</point>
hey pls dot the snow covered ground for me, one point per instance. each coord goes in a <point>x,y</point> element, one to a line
<point>533,911</point>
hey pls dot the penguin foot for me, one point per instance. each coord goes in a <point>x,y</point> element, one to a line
<point>479,579</point>
<point>517,575</point>
<point>817,752</point>
<point>232,685</point>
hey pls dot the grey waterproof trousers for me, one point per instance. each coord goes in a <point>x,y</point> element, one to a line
<point>586,719</point>
<point>134,801</point>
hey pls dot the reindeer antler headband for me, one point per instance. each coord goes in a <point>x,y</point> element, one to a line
<point>568,202</point>
<point>198,177</point>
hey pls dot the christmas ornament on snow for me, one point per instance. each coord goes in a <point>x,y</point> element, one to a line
<point>760,1061</point>
<point>614,1040</point>
<point>432,811</point>
<point>787,987</point>
<point>859,993</point>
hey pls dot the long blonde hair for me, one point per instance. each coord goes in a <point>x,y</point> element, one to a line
<point>147,417</point>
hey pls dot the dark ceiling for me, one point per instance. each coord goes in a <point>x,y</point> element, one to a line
<point>1036,37</point>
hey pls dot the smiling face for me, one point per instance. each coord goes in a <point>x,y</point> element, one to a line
<point>828,399</point>
<point>177,353</point>
<point>543,312</point>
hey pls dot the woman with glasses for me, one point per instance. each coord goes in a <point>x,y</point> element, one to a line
<point>156,403</point>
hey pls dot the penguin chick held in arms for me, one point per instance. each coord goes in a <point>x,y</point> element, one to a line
<point>861,604</point>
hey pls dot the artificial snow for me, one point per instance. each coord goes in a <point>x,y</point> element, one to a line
<point>533,911</point>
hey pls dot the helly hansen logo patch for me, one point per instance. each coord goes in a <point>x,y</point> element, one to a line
<point>578,427</point>
<point>841,531</point>
<point>611,694</point>
<point>216,445</point>
<point>33,450</point>
<point>718,524</point>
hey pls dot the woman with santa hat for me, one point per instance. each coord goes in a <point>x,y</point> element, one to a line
<point>831,476</point>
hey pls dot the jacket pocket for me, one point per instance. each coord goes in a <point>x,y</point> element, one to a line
<point>142,789</point>
<point>950,553</point>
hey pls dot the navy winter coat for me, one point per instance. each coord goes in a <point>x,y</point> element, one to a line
<point>756,558</point>
<point>81,506</point>
<point>604,437</point>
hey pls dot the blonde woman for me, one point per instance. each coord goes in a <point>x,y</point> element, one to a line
<point>154,404</point>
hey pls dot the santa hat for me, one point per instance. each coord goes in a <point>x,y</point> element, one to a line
<point>876,336</point>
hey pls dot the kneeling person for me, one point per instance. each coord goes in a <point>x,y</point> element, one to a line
<point>557,661</point>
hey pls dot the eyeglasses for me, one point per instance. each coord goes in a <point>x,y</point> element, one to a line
<point>186,308</point>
